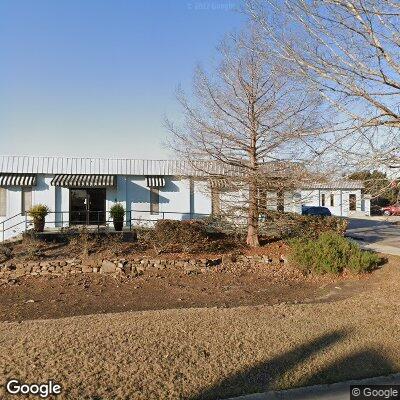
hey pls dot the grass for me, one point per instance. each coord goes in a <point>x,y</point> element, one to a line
<point>211,353</point>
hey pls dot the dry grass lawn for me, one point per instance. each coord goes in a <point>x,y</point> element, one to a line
<point>210,353</point>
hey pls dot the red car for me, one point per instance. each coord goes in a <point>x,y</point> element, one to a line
<point>391,210</point>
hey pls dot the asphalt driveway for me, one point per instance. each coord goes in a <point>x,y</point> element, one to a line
<point>381,234</point>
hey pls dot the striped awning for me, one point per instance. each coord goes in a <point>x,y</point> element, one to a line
<point>67,180</point>
<point>218,183</point>
<point>155,181</point>
<point>17,180</point>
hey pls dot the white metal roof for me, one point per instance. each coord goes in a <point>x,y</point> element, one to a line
<point>335,184</point>
<point>127,166</point>
<point>113,166</point>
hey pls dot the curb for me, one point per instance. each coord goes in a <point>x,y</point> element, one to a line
<point>334,391</point>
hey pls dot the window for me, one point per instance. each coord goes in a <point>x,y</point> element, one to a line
<point>3,202</point>
<point>215,201</point>
<point>323,199</point>
<point>332,200</point>
<point>154,201</point>
<point>26,200</point>
<point>352,202</point>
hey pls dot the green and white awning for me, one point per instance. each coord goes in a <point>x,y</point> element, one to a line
<point>67,180</point>
<point>17,179</point>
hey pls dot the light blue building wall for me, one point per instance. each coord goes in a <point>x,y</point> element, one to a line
<point>149,190</point>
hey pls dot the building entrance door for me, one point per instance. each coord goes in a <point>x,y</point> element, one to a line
<point>87,206</point>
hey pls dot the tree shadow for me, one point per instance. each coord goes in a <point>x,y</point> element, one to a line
<point>263,376</point>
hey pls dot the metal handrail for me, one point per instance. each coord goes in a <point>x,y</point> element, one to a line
<point>97,221</point>
<point>13,226</point>
<point>16,215</point>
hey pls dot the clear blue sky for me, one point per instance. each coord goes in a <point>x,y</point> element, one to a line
<point>96,77</point>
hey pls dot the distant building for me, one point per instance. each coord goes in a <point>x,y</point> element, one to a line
<point>82,190</point>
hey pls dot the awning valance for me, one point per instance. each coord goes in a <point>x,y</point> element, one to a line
<point>155,181</point>
<point>68,180</point>
<point>218,183</point>
<point>17,180</point>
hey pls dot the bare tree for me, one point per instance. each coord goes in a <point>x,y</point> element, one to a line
<point>349,50</point>
<point>252,117</point>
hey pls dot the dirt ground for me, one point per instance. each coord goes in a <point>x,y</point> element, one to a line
<point>211,353</point>
<point>53,297</point>
<point>50,296</point>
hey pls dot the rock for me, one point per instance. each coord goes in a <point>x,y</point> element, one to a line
<point>139,269</point>
<point>190,270</point>
<point>127,269</point>
<point>44,264</point>
<point>19,272</point>
<point>267,259</point>
<point>107,267</point>
<point>86,269</point>
<point>30,301</point>
<point>228,259</point>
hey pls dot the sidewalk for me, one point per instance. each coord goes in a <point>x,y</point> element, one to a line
<point>336,391</point>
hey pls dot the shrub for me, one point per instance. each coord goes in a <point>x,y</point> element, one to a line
<point>220,225</point>
<point>39,211</point>
<point>172,235</point>
<point>289,225</point>
<point>117,211</point>
<point>330,253</point>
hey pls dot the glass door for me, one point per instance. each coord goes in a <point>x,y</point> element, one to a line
<point>78,207</point>
<point>96,199</point>
<point>87,206</point>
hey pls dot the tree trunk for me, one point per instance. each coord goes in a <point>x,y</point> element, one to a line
<point>252,224</point>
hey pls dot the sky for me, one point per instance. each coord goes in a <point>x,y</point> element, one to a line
<point>95,78</point>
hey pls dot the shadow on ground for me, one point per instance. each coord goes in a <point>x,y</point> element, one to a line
<point>265,376</point>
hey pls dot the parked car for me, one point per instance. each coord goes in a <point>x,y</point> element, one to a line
<point>316,211</point>
<point>391,210</point>
<point>376,210</point>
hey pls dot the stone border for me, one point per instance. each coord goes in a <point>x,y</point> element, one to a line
<point>121,267</point>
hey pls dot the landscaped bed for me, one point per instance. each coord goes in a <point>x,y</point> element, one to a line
<point>176,265</point>
<point>51,296</point>
<point>211,353</point>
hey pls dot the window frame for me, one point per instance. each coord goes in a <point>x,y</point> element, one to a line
<point>24,191</point>
<point>332,200</point>
<point>323,200</point>
<point>154,200</point>
<point>3,197</point>
<point>352,203</point>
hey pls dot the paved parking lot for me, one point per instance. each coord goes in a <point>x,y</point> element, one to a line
<point>376,233</point>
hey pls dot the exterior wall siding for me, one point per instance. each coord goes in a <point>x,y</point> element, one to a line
<point>179,199</point>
